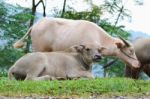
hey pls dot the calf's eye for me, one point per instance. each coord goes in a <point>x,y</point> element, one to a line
<point>87,49</point>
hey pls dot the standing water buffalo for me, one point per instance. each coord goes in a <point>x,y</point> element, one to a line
<point>59,34</point>
<point>74,63</point>
<point>142,50</point>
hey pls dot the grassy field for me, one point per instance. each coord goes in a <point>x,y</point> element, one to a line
<point>81,87</point>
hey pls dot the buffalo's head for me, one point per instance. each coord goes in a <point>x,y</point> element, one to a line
<point>124,50</point>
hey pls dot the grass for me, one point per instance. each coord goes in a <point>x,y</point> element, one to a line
<point>81,87</point>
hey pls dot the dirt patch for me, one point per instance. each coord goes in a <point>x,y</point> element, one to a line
<point>90,97</point>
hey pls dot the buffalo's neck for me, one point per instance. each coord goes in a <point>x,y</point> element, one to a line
<point>86,65</point>
<point>108,42</point>
<point>105,38</point>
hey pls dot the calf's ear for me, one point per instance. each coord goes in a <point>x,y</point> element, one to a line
<point>79,48</point>
<point>101,49</point>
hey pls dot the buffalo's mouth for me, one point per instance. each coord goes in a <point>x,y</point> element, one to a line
<point>97,58</point>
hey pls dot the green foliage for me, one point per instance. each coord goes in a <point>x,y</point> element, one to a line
<point>81,87</point>
<point>13,25</point>
<point>12,19</point>
<point>93,15</point>
<point>114,30</point>
<point>3,10</point>
<point>117,9</point>
<point>9,56</point>
<point>116,70</point>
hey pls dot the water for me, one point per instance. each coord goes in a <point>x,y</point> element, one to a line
<point>97,70</point>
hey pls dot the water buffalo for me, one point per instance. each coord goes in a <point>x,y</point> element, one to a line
<point>142,50</point>
<point>73,63</point>
<point>57,34</point>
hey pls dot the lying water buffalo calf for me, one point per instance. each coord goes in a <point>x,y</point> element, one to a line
<point>76,62</point>
<point>142,50</point>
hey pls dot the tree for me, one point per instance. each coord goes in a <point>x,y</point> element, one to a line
<point>13,24</point>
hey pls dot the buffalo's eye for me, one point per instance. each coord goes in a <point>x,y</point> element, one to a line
<point>131,51</point>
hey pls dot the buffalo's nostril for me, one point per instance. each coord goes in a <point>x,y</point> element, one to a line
<point>97,57</point>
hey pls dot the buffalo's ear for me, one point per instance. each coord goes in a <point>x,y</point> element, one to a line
<point>119,45</point>
<point>79,48</point>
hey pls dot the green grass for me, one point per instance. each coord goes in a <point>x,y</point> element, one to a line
<point>81,87</point>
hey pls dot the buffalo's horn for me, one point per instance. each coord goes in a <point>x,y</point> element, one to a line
<point>126,43</point>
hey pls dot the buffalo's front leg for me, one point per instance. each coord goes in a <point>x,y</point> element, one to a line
<point>132,72</point>
<point>127,72</point>
<point>146,69</point>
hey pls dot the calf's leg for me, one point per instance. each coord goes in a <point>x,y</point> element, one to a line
<point>34,73</point>
<point>80,74</point>
<point>45,77</point>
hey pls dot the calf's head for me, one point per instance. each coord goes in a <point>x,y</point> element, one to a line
<point>89,53</point>
<point>125,51</point>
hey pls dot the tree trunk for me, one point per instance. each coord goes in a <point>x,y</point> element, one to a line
<point>63,11</point>
<point>44,8</point>
<point>118,17</point>
<point>27,48</point>
<point>34,6</point>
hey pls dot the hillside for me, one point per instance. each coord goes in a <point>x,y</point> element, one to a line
<point>137,34</point>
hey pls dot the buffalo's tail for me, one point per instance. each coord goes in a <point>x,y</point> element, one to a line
<point>20,43</point>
